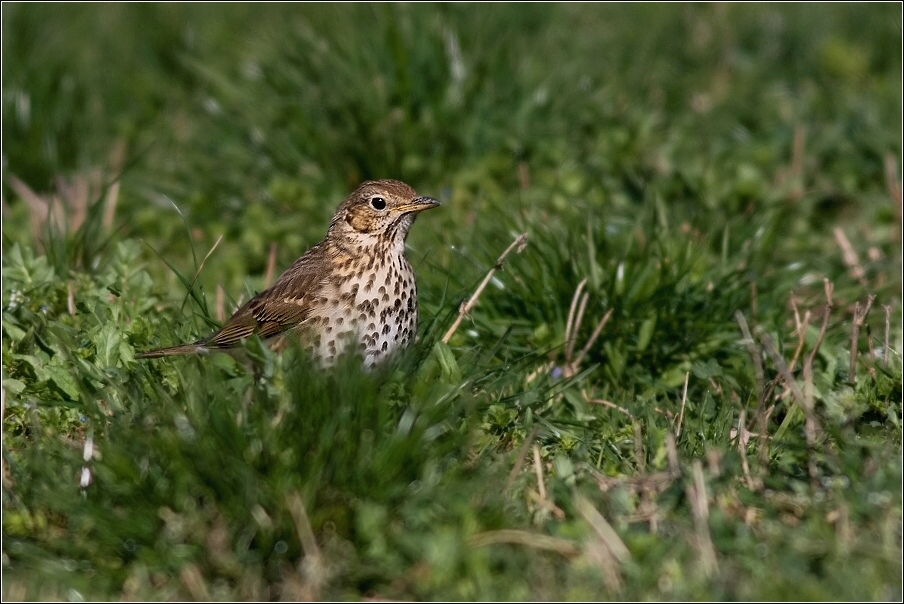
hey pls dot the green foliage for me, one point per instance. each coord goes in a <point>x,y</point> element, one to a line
<point>683,162</point>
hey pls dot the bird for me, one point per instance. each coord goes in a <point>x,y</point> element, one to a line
<point>353,292</point>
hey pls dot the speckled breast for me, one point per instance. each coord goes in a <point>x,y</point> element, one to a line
<point>371,306</point>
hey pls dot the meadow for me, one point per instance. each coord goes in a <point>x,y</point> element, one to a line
<point>683,380</point>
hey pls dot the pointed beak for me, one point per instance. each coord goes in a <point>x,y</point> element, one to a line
<point>418,204</point>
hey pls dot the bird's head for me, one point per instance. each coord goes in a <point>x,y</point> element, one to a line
<point>379,210</point>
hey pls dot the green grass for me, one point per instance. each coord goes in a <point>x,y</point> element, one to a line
<point>686,163</point>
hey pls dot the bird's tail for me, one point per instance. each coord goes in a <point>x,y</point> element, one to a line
<point>196,348</point>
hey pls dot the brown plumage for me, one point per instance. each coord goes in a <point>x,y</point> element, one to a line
<point>353,289</point>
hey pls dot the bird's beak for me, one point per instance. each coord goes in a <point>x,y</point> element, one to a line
<point>418,204</point>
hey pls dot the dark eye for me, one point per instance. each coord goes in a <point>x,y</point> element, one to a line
<point>378,203</point>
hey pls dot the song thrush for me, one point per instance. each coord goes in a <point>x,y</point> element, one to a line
<point>354,289</point>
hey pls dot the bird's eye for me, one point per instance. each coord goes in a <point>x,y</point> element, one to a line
<point>378,203</point>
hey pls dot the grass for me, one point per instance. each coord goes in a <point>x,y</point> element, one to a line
<point>683,174</point>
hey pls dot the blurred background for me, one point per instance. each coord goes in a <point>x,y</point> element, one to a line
<point>256,120</point>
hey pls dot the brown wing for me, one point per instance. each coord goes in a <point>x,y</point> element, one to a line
<point>284,305</point>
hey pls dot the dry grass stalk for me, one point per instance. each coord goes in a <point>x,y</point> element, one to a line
<point>687,377</point>
<point>66,209</point>
<point>860,313</point>
<point>793,303</point>
<point>639,457</point>
<point>647,509</point>
<point>15,591</point>
<point>827,312</point>
<point>573,324</point>
<point>743,438</point>
<point>534,497</point>
<point>754,353</point>
<point>762,395</point>
<point>696,495</point>
<point>605,548</point>
<point>526,538</point>
<point>605,403</point>
<point>782,367</point>
<point>569,322</point>
<point>841,518</point>
<point>110,203</point>
<point>541,369</point>
<point>571,368</point>
<point>885,353</point>
<point>538,469</point>
<point>193,581</point>
<point>810,427</point>
<point>312,568</point>
<point>520,242</point>
<point>572,330</point>
<point>201,266</point>
<point>42,210</point>
<point>801,331</point>
<point>850,257</point>
<point>655,482</point>
<point>762,420</point>
<point>70,298</point>
<point>302,524</point>
<point>671,453</point>
<point>803,398</point>
<point>800,328</point>
<point>75,195</point>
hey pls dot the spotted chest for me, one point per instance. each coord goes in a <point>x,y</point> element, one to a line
<point>367,304</point>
